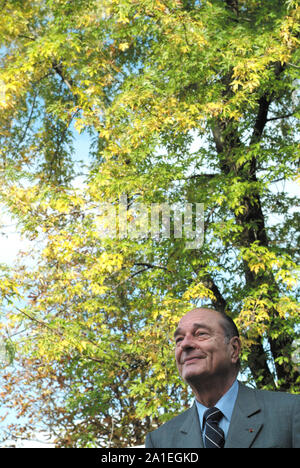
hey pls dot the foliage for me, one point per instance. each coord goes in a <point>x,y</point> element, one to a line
<point>185,102</point>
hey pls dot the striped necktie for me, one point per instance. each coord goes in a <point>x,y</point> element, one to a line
<point>214,436</point>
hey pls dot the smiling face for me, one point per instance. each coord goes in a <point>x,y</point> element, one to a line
<point>202,351</point>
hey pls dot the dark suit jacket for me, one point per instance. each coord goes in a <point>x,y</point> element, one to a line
<point>260,419</point>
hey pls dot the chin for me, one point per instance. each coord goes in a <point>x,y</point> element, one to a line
<point>193,376</point>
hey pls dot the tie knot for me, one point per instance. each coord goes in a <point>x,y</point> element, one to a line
<point>213,414</point>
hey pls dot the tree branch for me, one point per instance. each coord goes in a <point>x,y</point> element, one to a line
<point>233,5</point>
<point>58,69</point>
<point>264,106</point>
<point>220,302</point>
<point>280,117</point>
<point>41,323</point>
<point>198,176</point>
<point>149,265</point>
<point>261,119</point>
<point>28,122</point>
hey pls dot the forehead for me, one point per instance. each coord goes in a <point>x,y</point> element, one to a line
<point>207,317</point>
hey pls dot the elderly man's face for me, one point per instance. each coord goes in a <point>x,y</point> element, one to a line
<point>202,350</point>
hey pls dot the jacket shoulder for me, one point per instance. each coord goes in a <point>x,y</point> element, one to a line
<point>271,398</point>
<point>159,436</point>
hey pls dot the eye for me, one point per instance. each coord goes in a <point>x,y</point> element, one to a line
<point>201,334</point>
<point>178,340</point>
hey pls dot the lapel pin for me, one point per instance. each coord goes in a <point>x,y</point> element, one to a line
<point>251,430</point>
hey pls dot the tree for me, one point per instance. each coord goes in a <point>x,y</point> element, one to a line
<point>148,80</point>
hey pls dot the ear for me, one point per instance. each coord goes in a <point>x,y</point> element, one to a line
<point>236,347</point>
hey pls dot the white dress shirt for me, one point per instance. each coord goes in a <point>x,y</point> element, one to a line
<point>225,404</point>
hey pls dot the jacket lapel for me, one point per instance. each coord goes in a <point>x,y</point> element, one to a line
<point>190,432</point>
<point>246,421</point>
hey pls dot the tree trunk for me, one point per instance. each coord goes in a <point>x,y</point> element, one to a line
<point>254,230</point>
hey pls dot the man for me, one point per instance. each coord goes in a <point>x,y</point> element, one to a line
<point>225,413</point>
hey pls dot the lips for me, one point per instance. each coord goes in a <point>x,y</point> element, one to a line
<point>191,359</point>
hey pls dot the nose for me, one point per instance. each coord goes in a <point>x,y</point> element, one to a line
<point>187,343</point>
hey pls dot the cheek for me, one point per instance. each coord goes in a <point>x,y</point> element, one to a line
<point>219,357</point>
<point>176,355</point>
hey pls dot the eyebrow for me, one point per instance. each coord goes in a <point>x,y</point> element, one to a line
<point>180,331</point>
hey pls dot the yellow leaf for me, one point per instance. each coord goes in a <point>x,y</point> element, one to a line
<point>124,46</point>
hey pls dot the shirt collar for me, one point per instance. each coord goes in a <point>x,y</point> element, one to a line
<point>225,404</point>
